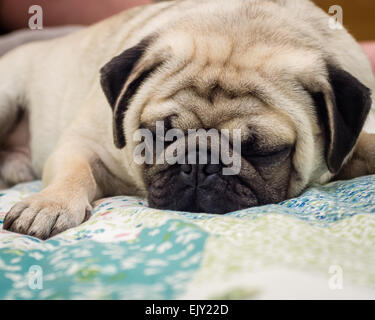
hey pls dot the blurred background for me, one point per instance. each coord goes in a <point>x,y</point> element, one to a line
<point>359,16</point>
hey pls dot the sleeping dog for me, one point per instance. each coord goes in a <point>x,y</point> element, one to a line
<point>299,92</point>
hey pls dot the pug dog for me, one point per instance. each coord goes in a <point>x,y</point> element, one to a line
<point>299,91</point>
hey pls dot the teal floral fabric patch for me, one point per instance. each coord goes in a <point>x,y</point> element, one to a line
<point>155,265</point>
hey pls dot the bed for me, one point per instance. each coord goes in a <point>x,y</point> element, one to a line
<point>320,245</point>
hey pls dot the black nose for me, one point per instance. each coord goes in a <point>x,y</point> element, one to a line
<point>198,174</point>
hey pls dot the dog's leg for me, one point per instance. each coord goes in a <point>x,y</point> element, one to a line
<point>15,156</point>
<point>65,202</point>
<point>363,160</point>
<point>15,162</point>
<point>13,71</point>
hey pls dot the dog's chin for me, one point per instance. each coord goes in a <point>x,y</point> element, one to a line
<point>202,202</point>
<point>199,202</point>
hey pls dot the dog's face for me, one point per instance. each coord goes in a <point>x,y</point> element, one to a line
<point>266,141</point>
<point>292,107</point>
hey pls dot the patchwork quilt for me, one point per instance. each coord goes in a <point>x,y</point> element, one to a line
<point>320,245</point>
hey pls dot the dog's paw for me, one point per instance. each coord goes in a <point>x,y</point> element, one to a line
<point>43,217</point>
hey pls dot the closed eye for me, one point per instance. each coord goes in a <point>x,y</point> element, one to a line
<point>267,157</point>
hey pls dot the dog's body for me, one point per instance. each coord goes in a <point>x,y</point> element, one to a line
<point>230,46</point>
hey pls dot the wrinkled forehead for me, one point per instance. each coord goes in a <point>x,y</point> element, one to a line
<point>214,81</point>
<point>225,57</point>
<point>190,109</point>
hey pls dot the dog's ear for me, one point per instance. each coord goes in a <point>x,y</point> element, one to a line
<point>120,79</point>
<point>342,109</point>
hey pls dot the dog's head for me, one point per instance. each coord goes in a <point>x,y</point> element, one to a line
<point>299,116</point>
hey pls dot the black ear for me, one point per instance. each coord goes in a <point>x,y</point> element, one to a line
<point>114,81</point>
<point>343,111</point>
